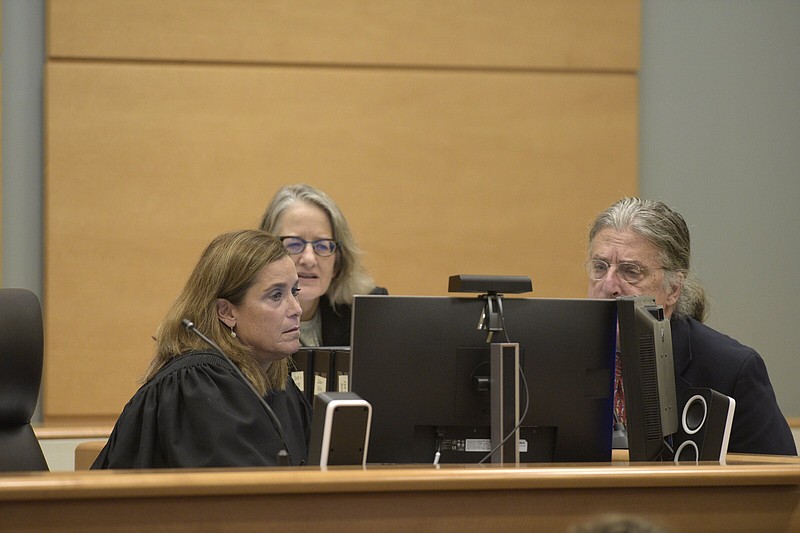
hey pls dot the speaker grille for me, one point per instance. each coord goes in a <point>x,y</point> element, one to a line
<point>652,417</point>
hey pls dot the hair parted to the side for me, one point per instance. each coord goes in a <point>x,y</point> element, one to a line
<point>226,269</point>
<point>350,277</point>
<point>667,231</point>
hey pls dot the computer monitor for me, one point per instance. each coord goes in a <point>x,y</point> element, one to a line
<point>648,377</point>
<point>418,361</point>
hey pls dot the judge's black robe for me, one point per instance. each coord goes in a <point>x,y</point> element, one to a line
<point>197,412</point>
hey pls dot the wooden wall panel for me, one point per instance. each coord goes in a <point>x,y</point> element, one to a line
<point>440,171</point>
<point>552,34</point>
<point>1,156</point>
<point>1,199</point>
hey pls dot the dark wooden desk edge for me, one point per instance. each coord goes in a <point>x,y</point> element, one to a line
<point>305,480</point>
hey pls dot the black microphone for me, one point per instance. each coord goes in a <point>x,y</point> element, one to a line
<point>283,455</point>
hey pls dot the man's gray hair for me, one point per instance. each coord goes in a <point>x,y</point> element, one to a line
<point>667,231</point>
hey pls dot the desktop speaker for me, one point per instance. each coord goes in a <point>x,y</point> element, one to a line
<point>705,426</point>
<point>339,429</point>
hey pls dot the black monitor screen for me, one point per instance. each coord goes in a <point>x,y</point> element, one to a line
<point>417,360</point>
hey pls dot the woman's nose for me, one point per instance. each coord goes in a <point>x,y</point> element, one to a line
<point>296,309</point>
<point>307,256</point>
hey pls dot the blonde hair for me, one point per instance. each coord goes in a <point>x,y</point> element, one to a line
<point>226,269</point>
<point>350,277</point>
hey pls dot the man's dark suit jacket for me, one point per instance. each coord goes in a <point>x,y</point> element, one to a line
<point>706,358</point>
<point>336,324</point>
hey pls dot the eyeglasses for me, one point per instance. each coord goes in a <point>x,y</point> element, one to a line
<point>631,273</point>
<point>321,247</point>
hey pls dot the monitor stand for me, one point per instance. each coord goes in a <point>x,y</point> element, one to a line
<point>504,394</point>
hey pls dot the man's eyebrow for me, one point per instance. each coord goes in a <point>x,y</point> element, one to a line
<point>629,261</point>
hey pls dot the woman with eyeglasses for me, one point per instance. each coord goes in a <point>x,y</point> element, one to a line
<point>640,247</point>
<point>318,239</point>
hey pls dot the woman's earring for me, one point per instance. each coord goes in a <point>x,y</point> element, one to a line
<point>233,333</point>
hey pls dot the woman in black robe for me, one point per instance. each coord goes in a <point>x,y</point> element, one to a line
<point>207,404</point>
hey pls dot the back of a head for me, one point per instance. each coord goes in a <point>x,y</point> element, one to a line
<point>667,231</point>
<point>613,523</point>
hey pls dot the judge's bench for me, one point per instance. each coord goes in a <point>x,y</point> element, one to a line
<point>749,493</point>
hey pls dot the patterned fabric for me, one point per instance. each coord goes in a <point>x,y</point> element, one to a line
<point>619,393</point>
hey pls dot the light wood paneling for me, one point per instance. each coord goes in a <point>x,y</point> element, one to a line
<point>746,497</point>
<point>548,34</point>
<point>1,180</point>
<point>1,159</point>
<point>440,171</point>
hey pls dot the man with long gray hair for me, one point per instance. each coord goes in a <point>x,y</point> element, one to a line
<point>642,247</point>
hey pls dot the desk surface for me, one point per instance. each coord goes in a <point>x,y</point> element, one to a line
<point>749,493</point>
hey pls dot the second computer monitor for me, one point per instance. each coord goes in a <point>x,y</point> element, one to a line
<point>419,361</point>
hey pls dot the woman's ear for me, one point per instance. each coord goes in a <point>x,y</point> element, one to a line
<point>226,312</point>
